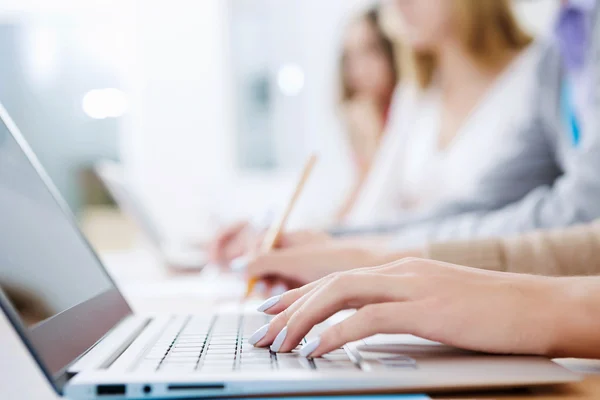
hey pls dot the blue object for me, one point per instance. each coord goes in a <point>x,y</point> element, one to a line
<point>568,113</point>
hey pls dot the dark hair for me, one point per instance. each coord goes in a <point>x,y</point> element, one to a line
<point>372,17</point>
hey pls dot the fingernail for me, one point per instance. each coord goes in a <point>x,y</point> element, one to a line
<point>269,303</point>
<point>279,289</point>
<point>239,264</point>
<point>279,340</point>
<point>258,335</point>
<point>310,347</point>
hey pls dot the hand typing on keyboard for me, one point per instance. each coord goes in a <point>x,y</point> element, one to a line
<point>433,300</point>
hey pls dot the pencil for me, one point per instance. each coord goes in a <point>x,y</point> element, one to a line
<point>274,232</point>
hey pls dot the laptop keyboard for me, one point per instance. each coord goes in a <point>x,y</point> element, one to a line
<point>220,344</point>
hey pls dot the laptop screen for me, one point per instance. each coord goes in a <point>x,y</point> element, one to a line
<point>59,296</point>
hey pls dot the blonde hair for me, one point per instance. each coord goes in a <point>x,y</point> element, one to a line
<point>487,28</point>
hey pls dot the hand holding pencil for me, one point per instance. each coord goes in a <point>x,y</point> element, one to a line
<point>273,234</point>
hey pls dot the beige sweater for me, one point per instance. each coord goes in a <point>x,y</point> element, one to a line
<point>570,251</point>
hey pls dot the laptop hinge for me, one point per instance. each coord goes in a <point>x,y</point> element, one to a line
<point>106,351</point>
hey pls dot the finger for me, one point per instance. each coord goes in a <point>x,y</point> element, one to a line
<point>285,264</point>
<point>344,292</point>
<point>300,238</point>
<point>288,303</point>
<point>230,232</point>
<point>370,320</point>
<point>278,303</point>
<point>218,246</point>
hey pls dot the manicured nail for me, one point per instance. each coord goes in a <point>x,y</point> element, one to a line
<point>239,265</point>
<point>279,340</point>
<point>310,347</point>
<point>278,290</point>
<point>269,303</point>
<point>258,335</point>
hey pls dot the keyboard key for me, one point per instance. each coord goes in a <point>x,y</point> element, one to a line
<point>187,346</point>
<point>191,361</point>
<point>221,346</point>
<point>213,364</point>
<point>293,356</point>
<point>177,367</point>
<point>293,363</point>
<point>172,356</point>
<point>192,335</point>
<point>336,357</point>
<point>219,363</point>
<point>191,340</point>
<point>255,361</point>
<point>265,355</point>
<point>255,367</point>
<point>250,348</point>
<point>219,357</point>
<point>230,350</point>
<point>398,362</point>
<point>185,350</point>
<point>328,364</point>
<point>222,341</point>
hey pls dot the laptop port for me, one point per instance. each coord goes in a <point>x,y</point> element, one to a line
<point>110,390</point>
<point>208,386</point>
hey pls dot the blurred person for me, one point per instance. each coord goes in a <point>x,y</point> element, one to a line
<point>465,62</point>
<point>547,174</point>
<point>368,76</point>
<point>472,309</point>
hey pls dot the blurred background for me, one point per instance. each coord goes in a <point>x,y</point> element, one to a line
<point>211,106</point>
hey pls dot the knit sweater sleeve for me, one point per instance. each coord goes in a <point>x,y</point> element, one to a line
<point>565,252</point>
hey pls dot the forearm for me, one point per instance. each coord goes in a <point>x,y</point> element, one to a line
<point>577,330</point>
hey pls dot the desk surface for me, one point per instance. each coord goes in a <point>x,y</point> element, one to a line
<point>21,379</point>
<point>587,389</point>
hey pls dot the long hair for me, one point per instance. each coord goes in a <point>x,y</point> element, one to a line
<point>488,28</point>
<point>371,16</point>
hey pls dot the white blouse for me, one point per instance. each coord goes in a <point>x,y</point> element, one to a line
<point>411,174</point>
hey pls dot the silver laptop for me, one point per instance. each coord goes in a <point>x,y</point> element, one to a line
<point>173,253</point>
<point>89,344</point>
